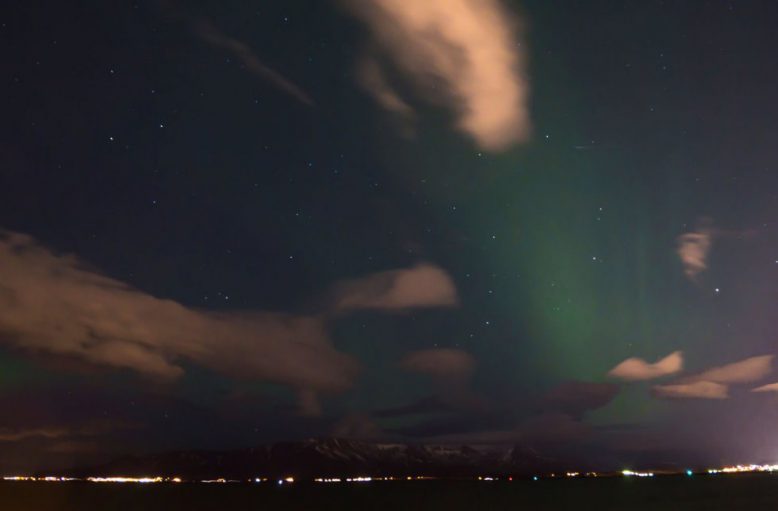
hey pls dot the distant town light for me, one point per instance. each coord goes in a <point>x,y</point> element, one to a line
<point>631,473</point>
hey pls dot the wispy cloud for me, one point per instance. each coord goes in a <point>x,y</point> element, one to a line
<point>374,80</point>
<point>577,397</point>
<point>206,31</point>
<point>8,435</point>
<point>693,249</point>
<point>357,425</point>
<point>697,389</point>
<point>464,54</point>
<point>89,429</point>
<point>634,369</point>
<point>442,363</point>
<point>423,285</point>
<point>547,428</point>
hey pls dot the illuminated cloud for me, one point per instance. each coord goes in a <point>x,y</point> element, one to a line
<point>693,249</point>
<point>52,304</point>
<point>744,371</point>
<point>424,285</point>
<point>634,369</point>
<point>464,54</point>
<point>440,363</point>
<point>373,79</point>
<point>697,389</point>
<point>770,387</point>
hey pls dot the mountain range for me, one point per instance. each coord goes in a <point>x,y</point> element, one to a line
<point>331,457</point>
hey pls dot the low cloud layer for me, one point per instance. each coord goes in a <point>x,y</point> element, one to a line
<point>10,435</point>
<point>424,285</point>
<point>634,369</point>
<point>53,304</point>
<point>547,428</point>
<point>440,363</point>
<point>744,371</point>
<point>697,389</point>
<point>92,428</point>
<point>359,426</point>
<point>770,387</point>
<point>577,397</point>
<point>461,53</point>
<point>714,383</point>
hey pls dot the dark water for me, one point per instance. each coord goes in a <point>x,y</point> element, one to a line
<point>754,492</point>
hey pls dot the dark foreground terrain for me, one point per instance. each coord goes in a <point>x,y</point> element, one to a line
<point>752,492</point>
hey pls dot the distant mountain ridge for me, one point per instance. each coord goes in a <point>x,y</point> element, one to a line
<point>331,457</point>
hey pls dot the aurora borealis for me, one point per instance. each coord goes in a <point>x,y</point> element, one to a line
<point>232,223</point>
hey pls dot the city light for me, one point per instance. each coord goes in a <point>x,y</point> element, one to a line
<point>743,469</point>
<point>734,469</point>
<point>631,473</point>
<point>142,480</point>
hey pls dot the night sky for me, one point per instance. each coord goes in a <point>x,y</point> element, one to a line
<point>552,224</point>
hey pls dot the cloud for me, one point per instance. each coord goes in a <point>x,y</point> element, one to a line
<point>424,285</point>
<point>89,428</point>
<point>308,403</point>
<point>577,397</point>
<point>547,428</point>
<point>9,435</point>
<point>634,369</point>
<point>357,425</point>
<point>693,249</point>
<point>714,383</point>
<point>372,77</point>
<point>440,363</point>
<point>744,371</point>
<point>697,389</point>
<point>206,31</point>
<point>424,406</point>
<point>76,447</point>
<point>461,53</point>
<point>52,304</point>
<point>770,387</point>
